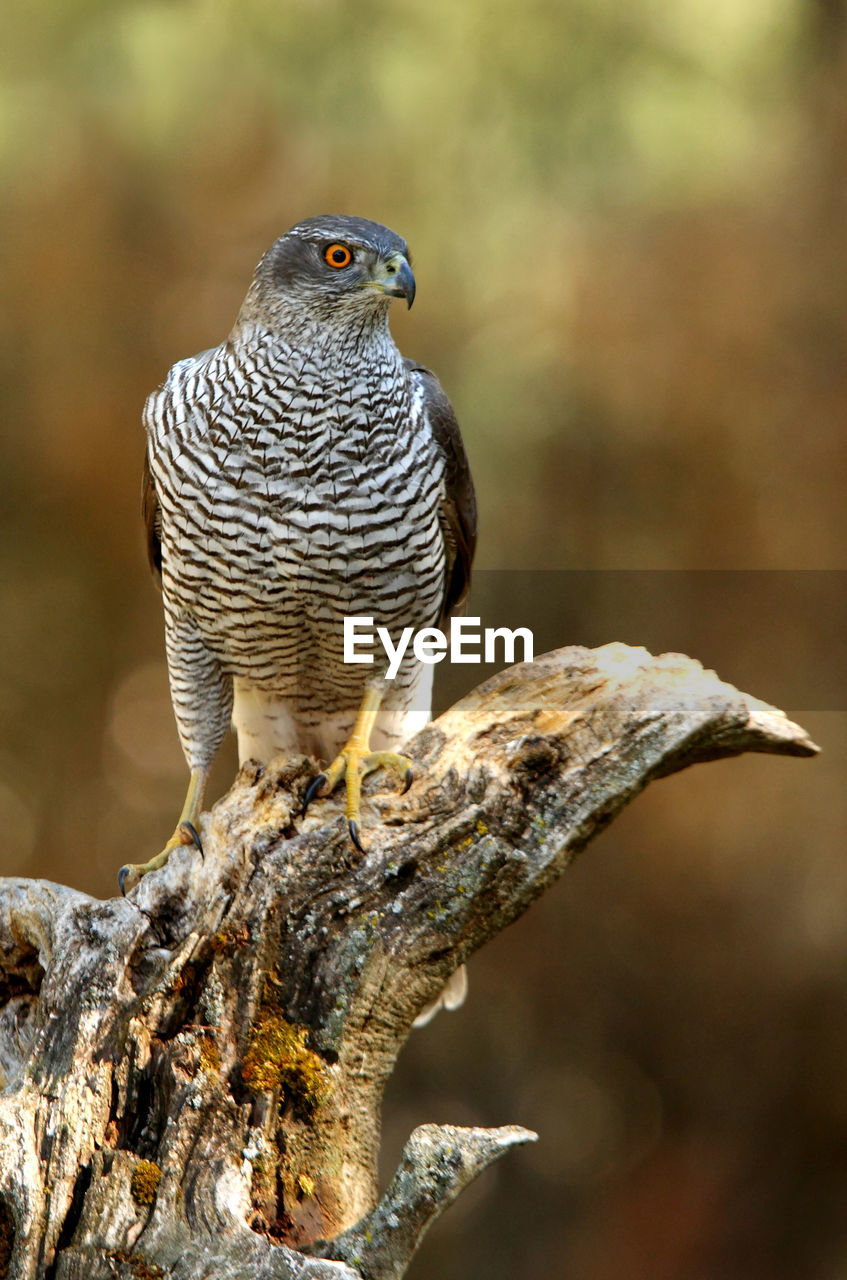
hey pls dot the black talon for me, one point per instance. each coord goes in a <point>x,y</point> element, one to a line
<point>410,777</point>
<point>311,791</point>
<point>195,837</point>
<point>353,828</point>
<point>122,875</point>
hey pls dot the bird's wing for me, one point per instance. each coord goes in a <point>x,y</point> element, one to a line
<point>165,401</point>
<point>152,516</point>
<point>458,503</point>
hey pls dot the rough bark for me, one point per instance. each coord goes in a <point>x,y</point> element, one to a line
<point>193,1077</point>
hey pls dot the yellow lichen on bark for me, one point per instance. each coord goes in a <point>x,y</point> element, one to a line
<point>145,1179</point>
<point>277,1057</point>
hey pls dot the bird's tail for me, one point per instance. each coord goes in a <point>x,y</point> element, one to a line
<point>451,997</point>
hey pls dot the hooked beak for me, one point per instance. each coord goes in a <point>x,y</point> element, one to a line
<point>394,277</point>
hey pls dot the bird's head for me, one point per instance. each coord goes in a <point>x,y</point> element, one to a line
<point>332,266</point>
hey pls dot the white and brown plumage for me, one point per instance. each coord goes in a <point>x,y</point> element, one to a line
<point>300,472</point>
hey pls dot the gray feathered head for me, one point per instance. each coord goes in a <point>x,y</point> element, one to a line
<point>332,266</point>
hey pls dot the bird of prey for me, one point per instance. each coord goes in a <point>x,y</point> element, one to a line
<point>302,471</point>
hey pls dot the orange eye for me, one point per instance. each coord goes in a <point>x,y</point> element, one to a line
<point>338,255</point>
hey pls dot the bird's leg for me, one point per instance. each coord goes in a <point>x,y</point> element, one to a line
<point>184,833</point>
<point>355,760</point>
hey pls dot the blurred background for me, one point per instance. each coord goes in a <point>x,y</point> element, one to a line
<point>628,225</point>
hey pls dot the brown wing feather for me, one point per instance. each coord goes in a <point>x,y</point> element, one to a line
<point>458,506</point>
<point>152,517</point>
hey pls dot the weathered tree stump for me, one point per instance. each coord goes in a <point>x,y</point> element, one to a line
<point>193,1077</point>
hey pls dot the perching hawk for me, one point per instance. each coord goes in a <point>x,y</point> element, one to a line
<point>300,472</point>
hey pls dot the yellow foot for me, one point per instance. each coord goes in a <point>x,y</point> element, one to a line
<point>185,833</point>
<point>352,765</point>
<point>354,762</point>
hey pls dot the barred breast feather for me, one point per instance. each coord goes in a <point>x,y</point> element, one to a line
<point>291,483</point>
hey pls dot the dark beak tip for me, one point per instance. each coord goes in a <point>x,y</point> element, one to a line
<point>403,284</point>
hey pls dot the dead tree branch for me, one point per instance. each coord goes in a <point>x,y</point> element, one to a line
<point>193,1078</point>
